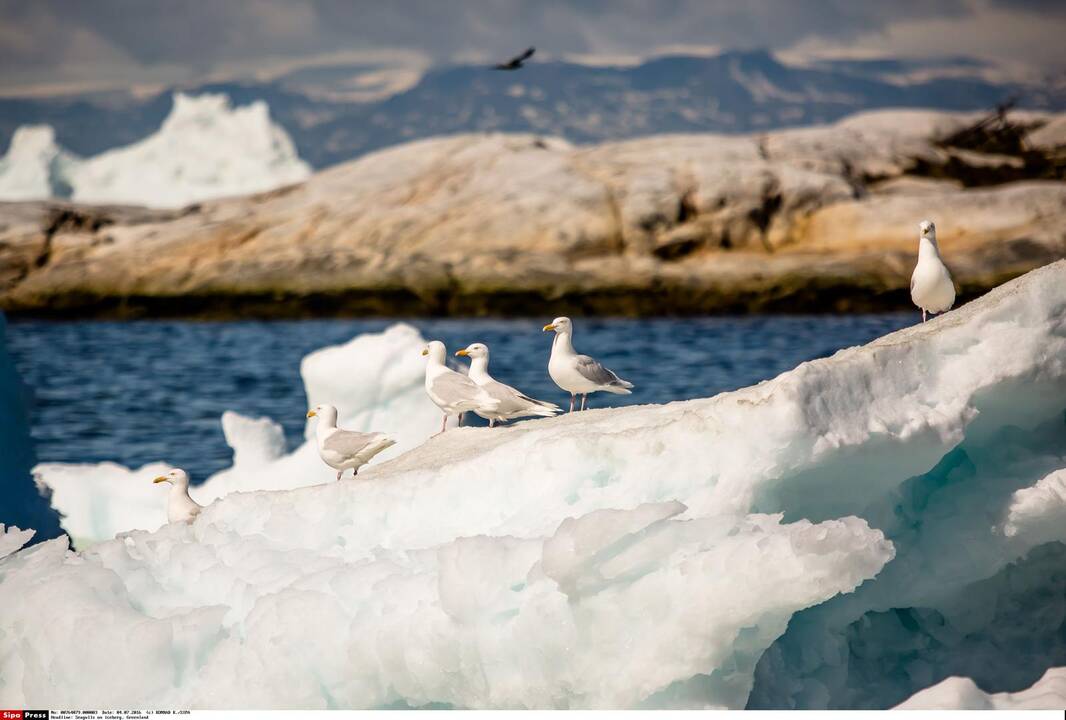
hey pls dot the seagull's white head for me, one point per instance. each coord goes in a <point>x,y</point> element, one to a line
<point>560,325</point>
<point>927,228</point>
<point>436,351</point>
<point>177,477</point>
<point>474,350</point>
<point>327,413</point>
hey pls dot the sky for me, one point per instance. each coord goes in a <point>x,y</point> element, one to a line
<point>52,46</point>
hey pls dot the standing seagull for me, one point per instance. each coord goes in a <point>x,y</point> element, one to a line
<point>453,392</point>
<point>513,404</point>
<point>343,449</point>
<point>516,62</point>
<point>180,507</point>
<point>931,286</point>
<point>579,374</point>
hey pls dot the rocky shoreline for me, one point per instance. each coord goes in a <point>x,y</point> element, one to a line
<point>808,220</point>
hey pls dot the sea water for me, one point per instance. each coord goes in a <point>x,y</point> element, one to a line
<point>138,392</point>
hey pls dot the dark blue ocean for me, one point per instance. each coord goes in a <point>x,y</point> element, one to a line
<point>136,392</point>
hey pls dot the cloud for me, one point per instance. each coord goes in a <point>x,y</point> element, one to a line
<point>127,41</point>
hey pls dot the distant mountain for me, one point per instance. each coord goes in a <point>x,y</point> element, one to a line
<point>732,93</point>
<point>203,149</point>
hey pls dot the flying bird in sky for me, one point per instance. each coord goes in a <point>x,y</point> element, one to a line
<point>516,62</point>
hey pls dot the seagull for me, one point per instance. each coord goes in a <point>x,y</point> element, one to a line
<point>931,286</point>
<point>342,449</point>
<point>180,507</point>
<point>579,374</point>
<point>453,392</point>
<point>516,62</point>
<point>513,404</point>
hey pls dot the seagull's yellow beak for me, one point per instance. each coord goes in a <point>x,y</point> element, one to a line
<point>310,413</point>
<point>425,351</point>
<point>462,352</point>
<point>548,327</point>
<point>160,479</point>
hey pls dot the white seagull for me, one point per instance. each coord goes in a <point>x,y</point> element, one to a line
<point>180,507</point>
<point>513,404</point>
<point>343,449</point>
<point>579,374</point>
<point>931,287</point>
<point>453,392</point>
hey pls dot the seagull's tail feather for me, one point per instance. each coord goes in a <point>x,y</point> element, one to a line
<point>619,388</point>
<point>550,406</point>
<point>542,410</point>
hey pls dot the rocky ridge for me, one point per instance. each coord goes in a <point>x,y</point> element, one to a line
<point>811,219</point>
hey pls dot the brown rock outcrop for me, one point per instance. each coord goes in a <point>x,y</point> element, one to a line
<point>798,220</point>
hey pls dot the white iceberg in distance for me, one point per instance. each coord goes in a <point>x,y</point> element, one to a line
<point>205,149</point>
<point>834,537</point>
<point>35,167</point>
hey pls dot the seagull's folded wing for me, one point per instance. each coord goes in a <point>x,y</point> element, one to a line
<point>349,443</point>
<point>456,389</point>
<point>593,371</point>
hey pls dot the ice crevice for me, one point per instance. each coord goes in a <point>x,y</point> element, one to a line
<point>844,535</point>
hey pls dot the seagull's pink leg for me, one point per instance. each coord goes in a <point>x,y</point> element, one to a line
<point>583,399</point>
<point>923,315</point>
<point>339,473</point>
<point>572,398</point>
<point>443,423</point>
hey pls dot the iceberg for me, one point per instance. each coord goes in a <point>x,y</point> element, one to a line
<point>205,149</point>
<point>35,167</point>
<point>375,379</point>
<point>849,533</point>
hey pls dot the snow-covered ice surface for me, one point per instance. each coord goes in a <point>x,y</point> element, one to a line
<point>376,382</point>
<point>837,536</point>
<point>205,149</point>
<point>962,694</point>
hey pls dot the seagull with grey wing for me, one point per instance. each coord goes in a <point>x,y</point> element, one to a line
<point>516,62</point>
<point>454,393</point>
<point>931,286</point>
<point>343,449</point>
<point>579,374</point>
<point>180,507</point>
<point>513,404</point>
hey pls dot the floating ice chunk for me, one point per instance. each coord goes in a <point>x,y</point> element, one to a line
<point>957,693</point>
<point>549,564</point>
<point>254,441</point>
<point>96,501</point>
<point>1039,510</point>
<point>375,380</point>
